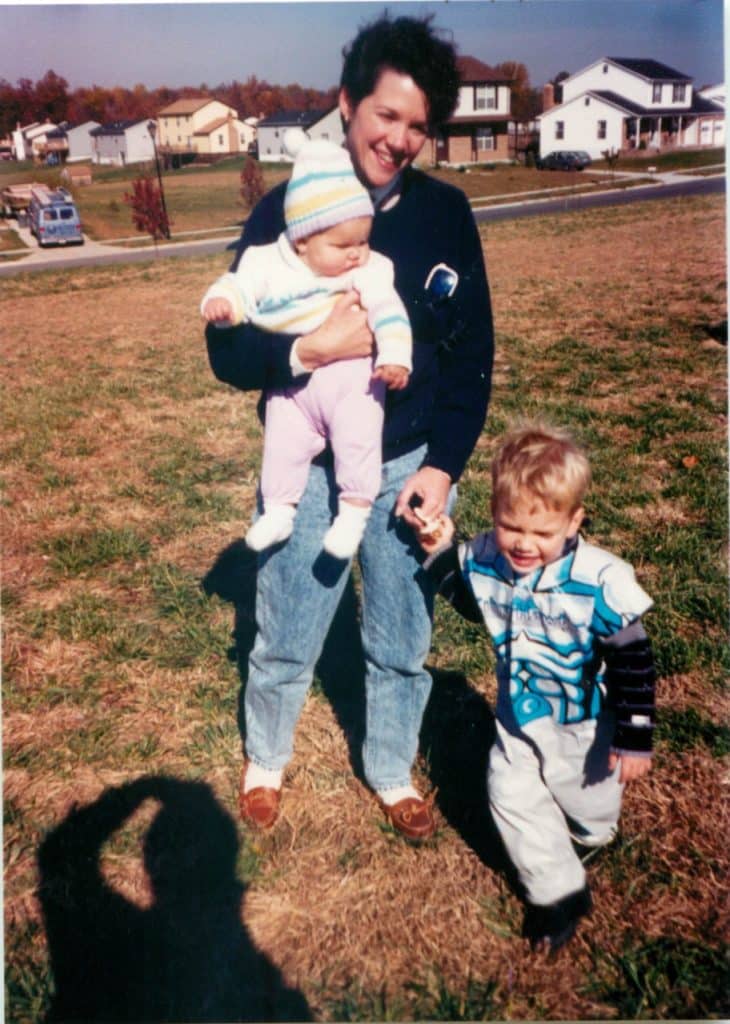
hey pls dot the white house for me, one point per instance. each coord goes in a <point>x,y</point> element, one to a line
<point>316,124</point>
<point>80,142</point>
<point>623,103</point>
<point>29,142</point>
<point>122,142</point>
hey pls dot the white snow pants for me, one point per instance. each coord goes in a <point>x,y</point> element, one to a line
<point>540,778</point>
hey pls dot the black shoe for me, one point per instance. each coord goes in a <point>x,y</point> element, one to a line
<point>550,927</point>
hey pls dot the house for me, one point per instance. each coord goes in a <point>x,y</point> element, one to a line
<point>224,135</point>
<point>30,141</point>
<point>316,124</point>
<point>80,141</point>
<point>623,104</point>
<point>199,124</point>
<point>478,130</point>
<point>122,142</point>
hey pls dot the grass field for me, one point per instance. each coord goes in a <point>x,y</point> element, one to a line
<point>129,474</point>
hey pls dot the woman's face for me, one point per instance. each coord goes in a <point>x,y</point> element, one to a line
<point>386,130</point>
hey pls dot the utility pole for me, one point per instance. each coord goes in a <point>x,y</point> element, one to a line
<point>152,129</point>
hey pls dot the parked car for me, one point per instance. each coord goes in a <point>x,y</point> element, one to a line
<point>564,160</point>
<point>53,217</point>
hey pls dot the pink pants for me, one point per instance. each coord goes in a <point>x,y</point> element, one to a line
<point>341,403</point>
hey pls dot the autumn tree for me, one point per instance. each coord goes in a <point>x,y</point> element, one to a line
<point>526,102</point>
<point>252,182</point>
<point>148,208</point>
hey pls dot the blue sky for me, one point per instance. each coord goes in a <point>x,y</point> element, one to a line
<point>179,44</point>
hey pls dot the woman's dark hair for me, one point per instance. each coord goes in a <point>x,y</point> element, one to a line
<point>410,46</point>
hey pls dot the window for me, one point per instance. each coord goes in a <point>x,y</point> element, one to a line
<point>66,213</point>
<point>605,69</point>
<point>49,215</point>
<point>601,129</point>
<point>560,129</point>
<point>484,137</point>
<point>656,92</point>
<point>220,140</point>
<point>678,92</point>
<point>485,97</point>
<point>587,101</point>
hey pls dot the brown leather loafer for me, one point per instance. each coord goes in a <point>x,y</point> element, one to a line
<point>412,817</point>
<point>260,806</point>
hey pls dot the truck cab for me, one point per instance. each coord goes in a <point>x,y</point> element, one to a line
<point>53,217</point>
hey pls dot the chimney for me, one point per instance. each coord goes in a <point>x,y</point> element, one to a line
<point>548,96</point>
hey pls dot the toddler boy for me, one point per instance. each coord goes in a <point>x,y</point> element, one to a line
<point>575,671</point>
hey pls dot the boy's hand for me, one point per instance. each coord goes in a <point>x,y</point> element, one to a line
<point>218,311</point>
<point>434,534</point>
<point>396,377</point>
<point>633,766</point>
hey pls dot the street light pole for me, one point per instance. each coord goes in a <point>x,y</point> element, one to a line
<point>152,129</point>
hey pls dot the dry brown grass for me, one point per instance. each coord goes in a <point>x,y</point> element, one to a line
<point>114,423</point>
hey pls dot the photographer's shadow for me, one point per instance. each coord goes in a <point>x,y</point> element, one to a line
<point>186,955</point>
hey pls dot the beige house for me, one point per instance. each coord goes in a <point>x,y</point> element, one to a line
<point>202,125</point>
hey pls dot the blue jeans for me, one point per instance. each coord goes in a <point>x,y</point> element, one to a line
<point>298,589</point>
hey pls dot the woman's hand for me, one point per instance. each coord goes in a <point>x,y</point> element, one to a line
<point>345,334</point>
<point>432,486</point>
<point>633,766</point>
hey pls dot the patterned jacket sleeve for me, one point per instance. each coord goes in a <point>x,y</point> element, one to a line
<point>630,679</point>
<point>246,356</point>
<point>444,569</point>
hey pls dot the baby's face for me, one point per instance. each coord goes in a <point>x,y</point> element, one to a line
<point>530,534</point>
<point>338,249</point>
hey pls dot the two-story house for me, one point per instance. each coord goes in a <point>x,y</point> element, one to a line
<point>478,130</point>
<point>199,124</point>
<point>122,142</point>
<point>626,103</point>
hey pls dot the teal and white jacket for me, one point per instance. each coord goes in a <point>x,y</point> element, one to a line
<point>565,637</point>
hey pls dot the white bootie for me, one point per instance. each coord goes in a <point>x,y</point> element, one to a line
<point>343,537</point>
<point>274,526</point>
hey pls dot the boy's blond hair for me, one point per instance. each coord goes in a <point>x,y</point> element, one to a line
<point>540,460</point>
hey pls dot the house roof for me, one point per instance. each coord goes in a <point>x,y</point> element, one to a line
<point>699,105</point>
<point>114,127</point>
<point>296,118</point>
<point>473,70</point>
<point>189,105</point>
<point>650,68</point>
<point>212,126</point>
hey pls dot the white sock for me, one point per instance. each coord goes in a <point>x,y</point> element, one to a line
<point>256,776</point>
<point>343,537</point>
<point>275,525</point>
<point>394,796</point>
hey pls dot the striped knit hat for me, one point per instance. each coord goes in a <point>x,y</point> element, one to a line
<point>323,189</point>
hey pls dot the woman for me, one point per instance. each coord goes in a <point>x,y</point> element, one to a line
<point>399,83</point>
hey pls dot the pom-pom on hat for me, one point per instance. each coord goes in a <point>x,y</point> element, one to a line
<point>323,189</point>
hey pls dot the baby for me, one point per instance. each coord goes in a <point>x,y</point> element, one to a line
<point>291,287</point>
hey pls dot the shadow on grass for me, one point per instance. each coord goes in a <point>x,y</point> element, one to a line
<point>186,956</point>
<point>458,726</point>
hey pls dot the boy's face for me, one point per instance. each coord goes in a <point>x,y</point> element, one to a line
<point>530,534</point>
<point>338,249</point>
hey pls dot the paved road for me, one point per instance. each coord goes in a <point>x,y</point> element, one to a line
<point>96,254</point>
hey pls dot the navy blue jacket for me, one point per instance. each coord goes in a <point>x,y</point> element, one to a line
<point>445,402</point>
